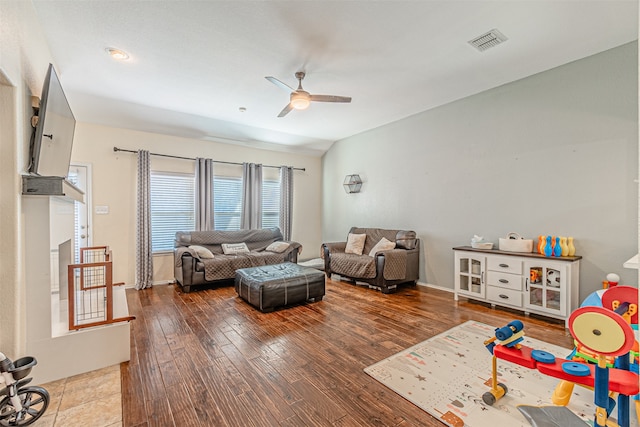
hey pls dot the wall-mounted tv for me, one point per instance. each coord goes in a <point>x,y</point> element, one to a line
<point>52,141</point>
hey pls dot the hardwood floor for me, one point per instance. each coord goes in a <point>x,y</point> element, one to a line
<point>207,358</point>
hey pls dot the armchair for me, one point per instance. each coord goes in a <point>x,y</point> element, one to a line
<point>383,269</point>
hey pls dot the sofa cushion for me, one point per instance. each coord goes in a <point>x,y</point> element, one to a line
<point>278,247</point>
<point>355,243</point>
<point>374,235</point>
<point>256,240</point>
<point>234,248</point>
<point>406,239</point>
<point>201,251</point>
<point>383,245</point>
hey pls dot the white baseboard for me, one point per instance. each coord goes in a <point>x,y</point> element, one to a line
<point>155,283</point>
<point>440,288</point>
<point>164,282</point>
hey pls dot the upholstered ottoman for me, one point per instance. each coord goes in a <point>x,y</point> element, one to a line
<point>279,285</point>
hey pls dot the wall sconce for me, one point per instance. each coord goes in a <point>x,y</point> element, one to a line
<point>352,183</point>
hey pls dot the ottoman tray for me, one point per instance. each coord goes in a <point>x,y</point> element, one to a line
<point>279,285</point>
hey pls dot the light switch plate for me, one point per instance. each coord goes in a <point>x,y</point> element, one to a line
<point>102,210</point>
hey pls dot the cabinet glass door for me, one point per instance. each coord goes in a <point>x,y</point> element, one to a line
<point>545,287</point>
<point>470,272</point>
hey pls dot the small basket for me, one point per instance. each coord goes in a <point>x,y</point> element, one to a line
<point>515,243</point>
<point>22,367</point>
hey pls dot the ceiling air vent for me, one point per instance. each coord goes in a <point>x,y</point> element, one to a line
<point>487,40</point>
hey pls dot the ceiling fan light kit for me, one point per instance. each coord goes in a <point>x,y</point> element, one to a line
<point>299,98</point>
<point>300,101</point>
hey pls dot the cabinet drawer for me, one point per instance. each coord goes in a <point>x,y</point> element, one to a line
<point>504,280</point>
<point>504,296</point>
<point>505,264</point>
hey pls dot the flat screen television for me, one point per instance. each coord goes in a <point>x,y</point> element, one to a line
<point>52,140</point>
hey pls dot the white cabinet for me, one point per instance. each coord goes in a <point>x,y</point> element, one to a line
<point>526,281</point>
<point>504,280</point>
<point>470,275</point>
<point>546,288</point>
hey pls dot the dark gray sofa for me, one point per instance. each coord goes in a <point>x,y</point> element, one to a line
<point>193,270</point>
<point>385,270</point>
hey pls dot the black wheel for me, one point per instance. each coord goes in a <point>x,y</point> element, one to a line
<point>489,398</point>
<point>34,402</point>
<point>504,387</point>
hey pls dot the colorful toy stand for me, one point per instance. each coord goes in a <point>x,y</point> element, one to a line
<point>604,331</point>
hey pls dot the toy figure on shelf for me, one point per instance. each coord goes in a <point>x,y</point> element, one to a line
<point>604,335</point>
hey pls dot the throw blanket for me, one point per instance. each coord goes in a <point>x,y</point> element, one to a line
<point>224,267</point>
<point>351,265</point>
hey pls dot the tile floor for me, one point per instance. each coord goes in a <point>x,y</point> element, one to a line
<point>91,399</point>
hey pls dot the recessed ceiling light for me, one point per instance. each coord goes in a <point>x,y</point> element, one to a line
<point>118,54</point>
<point>242,109</point>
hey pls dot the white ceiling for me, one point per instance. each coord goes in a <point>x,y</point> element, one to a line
<point>195,63</point>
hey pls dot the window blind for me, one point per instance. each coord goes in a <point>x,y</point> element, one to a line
<point>270,204</point>
<point>227,202</point>
<point>73,178</point>
<point>172,208</point>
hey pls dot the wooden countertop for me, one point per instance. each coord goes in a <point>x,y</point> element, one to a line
<point>521,254</point>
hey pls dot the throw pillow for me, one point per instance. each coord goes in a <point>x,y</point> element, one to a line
<point>235,248</point>
<point>355,243</point>
<point>202,251</point>
<point>278,247</point>
<point>383,245</point>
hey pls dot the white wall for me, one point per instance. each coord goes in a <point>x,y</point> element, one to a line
<point>24,57</point>
<point>114,185</point>
<point>555,153</point>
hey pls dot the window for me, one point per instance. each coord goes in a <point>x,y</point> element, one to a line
<point>227,203</point>
<point>172,208</point>
<point>77,206</point>
<point>270,204</point>
<point>173,205</point>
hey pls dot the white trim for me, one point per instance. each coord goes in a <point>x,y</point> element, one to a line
<point>440,288</point>
<point>88,199</point>
<point>164,282</point>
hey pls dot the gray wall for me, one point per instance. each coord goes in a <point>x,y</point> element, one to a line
<point>555,153</point>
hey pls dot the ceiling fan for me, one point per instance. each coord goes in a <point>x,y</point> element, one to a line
<point>300,98</point>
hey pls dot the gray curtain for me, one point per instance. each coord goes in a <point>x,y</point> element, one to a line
<point>286,201</point>
<point>204,194</point>
<point>144,259</point>
<point>251,196</point>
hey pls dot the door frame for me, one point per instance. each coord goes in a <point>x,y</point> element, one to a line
<point>87,200</point>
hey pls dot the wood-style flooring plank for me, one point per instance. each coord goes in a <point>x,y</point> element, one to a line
<point>207,358</point>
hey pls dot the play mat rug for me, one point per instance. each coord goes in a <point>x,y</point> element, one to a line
<point>448,374</point>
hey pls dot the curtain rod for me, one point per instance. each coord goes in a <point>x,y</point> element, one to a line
<point>116,149</point>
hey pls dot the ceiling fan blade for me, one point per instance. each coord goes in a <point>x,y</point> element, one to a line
<point>285,110</point>
<point>280,84</point>
<point>330,98</point>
